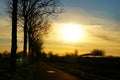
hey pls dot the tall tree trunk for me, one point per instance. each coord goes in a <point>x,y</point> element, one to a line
<point>29,44</point>
<point>29,47</point>
<point>25,28</point>
<point>25,38</point>
<point>14,36</point>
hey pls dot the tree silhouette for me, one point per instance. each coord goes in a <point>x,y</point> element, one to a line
<point>76,53</point>
<point>35,16</point>
<point>23,17</point>
<point>97,52</point>
<point>14,35</point>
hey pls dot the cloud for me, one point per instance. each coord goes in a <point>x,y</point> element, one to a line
<point>104,33</point>
<point>97,24</point>
<point>108,37</point>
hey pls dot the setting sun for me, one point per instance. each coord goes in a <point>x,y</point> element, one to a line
<point>72,32</point>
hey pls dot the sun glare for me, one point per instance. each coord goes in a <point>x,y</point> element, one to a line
<point>72,32</point>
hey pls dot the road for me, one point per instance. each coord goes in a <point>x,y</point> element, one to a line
<point>45,72</point>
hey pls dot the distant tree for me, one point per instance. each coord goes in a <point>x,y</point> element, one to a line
<point>50,54</point>
<point>6,52</point>
<point>76,53</point>
<point>97,52</point>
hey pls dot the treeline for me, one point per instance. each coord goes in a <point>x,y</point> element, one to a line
<point>103,61</point>
<point>96,58</point>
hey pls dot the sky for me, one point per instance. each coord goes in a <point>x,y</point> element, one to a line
<point>98,21</point>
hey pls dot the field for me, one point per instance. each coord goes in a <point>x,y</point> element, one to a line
<point>90,68</point>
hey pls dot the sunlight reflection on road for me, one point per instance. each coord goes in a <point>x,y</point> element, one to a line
<point>50,71</point>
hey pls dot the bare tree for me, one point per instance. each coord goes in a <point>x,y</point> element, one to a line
<point>13,15</point>
<point>35,15</point>
<point>23,16</point>
<point>37,30</point>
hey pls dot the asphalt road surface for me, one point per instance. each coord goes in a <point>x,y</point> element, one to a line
<point>45,72</point>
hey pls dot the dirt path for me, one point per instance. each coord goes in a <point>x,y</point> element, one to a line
<point>46,72</point>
